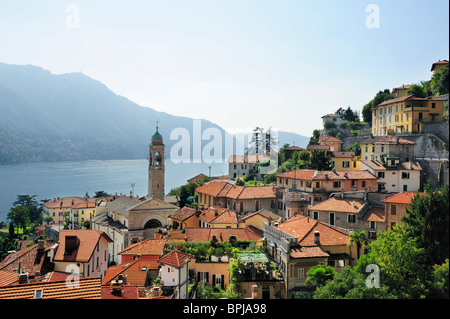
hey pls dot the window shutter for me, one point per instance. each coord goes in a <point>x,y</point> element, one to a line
<point>214,280</point>
<point>222,282</point>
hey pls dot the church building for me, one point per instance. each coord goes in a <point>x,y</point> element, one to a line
<point>131,220</point>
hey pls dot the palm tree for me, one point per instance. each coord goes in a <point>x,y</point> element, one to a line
<point>359,239</point>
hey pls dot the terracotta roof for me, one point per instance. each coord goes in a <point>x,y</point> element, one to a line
<point>175,258</point>
<point>148,247</point>
<point>341,205</point>
<point>245,158</point>
<point>30,259</point>
<point>313,175</point>
<point>303,228</point>
<point>340,154</point>
<point>318,147</point>
<point>8,277</point>
<point>122,204</point>
<point>86,239</point>
<point>64,202</point>
<point>223,234</point>
<point>84,205</point>
<point>327,139</point>
<point>183,213</point>
<point>212,188</point>
<point>388,139</point>
<point>84,288</point>
<point>401,198</point>
<point>308,252</point>
<point>197,178</point>
<point>218,215</point>
<point>375,214</point>
<point>403,87</point>
<point>136,272</point>
<point>377,165</point>
<point>225,189</point>
<point>410,97</point>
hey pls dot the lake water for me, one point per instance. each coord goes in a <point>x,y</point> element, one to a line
<point>61,179</point>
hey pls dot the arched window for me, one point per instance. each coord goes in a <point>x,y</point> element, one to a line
<point>152,223</point>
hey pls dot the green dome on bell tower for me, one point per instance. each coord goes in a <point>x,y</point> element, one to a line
<point>157,138</point>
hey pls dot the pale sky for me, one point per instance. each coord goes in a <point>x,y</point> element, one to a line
<point>240,64</point>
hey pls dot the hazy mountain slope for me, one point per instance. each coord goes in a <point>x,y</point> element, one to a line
<point>49,117</point>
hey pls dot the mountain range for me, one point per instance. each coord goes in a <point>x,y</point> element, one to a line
<point>72,117</point>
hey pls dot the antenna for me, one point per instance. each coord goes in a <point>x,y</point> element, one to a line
<point>132,188</point>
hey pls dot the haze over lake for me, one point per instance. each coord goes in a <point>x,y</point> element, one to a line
<point>53,179</point>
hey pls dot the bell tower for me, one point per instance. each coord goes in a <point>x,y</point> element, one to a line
<point>156,167</point>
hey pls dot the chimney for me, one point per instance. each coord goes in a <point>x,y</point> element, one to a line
<point>317,238</point>
<point>23,278</point>
<point>40,245</point>
<point>71,244</point>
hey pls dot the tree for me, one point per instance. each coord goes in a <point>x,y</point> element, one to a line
<point>35,210</point>
<point>427,220</point>
<point>319,275</point>
<point>380,97</point>
<point>350,284</point>
<point>320,160</point>
<point>359,239</point>
<point>443,84</point>
<point>355,148</point>
<point>100,194</point>
<point>314,140</point>
<point>19,216</point>
<point>417,90</point>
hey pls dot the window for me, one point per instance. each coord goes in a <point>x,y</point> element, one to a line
<point>316,215</point>
<point>363,183</point>
<point>372,235</point>
<point>393,209</point>
<point>331,217</point>
<point>405,188</point>
<point>317,184</point>
<point>301,273</point>
<point>346,164</point>
<point>372,225</point>
<point>380,174</point>
<point>393,224</point>
<point>336,184</point>
<point>405,175</point>
<point>433,105</point>
<point>351,218</point>
<point>202,276</point>
<point>38,294</point>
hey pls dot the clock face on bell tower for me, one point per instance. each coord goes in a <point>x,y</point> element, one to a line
<point>156,167</point>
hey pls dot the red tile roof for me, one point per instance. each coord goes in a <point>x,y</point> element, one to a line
<point>375,214</point>
<point>223,234</point>
<point>184,213</point>
<point>87,240</point>
<point>340,205</point>
<point>401,198</point>
<point>225,189</point>
<point>30,259</point>
<point>410,97</point>
<point>84,288</point>
<point>175,258</point>
<point>314,147</point>
<point>136,272</point>
<point>340,154</point>
<point>308,252</point>
<point>218,215</point>
<point>8,277</point>
<point>328,139</point>
<point>303,228</point>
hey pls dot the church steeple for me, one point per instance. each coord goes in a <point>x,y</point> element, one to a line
<point>156,167</point>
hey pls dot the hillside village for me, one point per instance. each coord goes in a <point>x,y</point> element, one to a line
<point>232,239</point>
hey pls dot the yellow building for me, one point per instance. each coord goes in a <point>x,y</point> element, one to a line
<point>439,65</point>
<point>345,161</point>
<point>405,114</point>
<point>83,212</point>
<point>401,91</point>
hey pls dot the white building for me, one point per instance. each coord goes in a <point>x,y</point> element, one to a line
<point>174,272</point>
<point>395,177</point>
